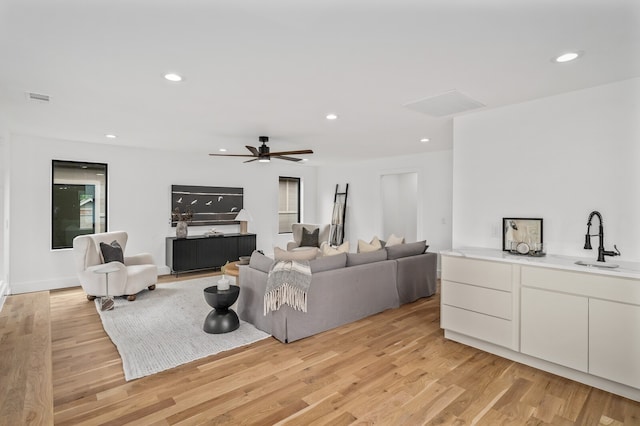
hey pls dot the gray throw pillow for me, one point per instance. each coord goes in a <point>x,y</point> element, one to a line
<point>260,262</point>
<point>327,263</point>
<point>354,259</point>
<point>112,252</point>
<point>310,238</point>
<point>405,250</point>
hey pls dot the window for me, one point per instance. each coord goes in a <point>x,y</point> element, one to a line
<point>289,203</point>
<point>78,201</point>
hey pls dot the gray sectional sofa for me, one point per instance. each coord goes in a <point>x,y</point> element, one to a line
<point>344,288</point>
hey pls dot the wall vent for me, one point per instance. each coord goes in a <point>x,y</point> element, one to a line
<point>448,103</point>
<point>37,97</point>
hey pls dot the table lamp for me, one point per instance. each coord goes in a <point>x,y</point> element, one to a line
<point>243,217</point>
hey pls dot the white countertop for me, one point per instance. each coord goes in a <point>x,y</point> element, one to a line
<point>625,270</point>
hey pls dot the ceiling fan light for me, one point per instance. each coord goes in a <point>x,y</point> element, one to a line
<point>264,160</point>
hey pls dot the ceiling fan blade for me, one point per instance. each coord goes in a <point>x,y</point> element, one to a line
<point>232,155</point>
<point>282,157</point>
<point>253,150</point>
<point>253,159</point>
<point>303,151</point>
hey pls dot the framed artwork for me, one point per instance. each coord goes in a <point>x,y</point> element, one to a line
<point>522,235</point>
<point>206,205</point>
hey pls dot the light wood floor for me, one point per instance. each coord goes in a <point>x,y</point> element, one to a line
<point>394,368</point>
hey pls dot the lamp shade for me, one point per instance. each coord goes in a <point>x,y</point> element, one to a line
<point>244,216</point>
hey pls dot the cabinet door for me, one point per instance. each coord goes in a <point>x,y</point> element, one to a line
<point>246,245</point>
<point>215,251</point>
<point>184,255</point>
<point>554,327</point>
<point>614,341</point>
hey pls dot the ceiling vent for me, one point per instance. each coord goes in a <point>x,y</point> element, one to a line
<point>448,103</point>
<point>37,97</point>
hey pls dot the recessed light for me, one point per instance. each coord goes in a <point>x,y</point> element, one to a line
<point>567,57</point>
<point>173,77</point>
<point>332,116</point>
<point>424,140</point>
<point>305,159</point>
<point>110,136</point>
<point>223,150</point>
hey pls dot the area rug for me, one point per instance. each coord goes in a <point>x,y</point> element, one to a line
<point>162,328</point>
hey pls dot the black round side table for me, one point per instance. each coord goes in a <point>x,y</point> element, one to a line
<point>221,319</point>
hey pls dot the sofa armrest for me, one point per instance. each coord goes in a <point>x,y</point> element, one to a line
<point>292,245</point>
<point>253,283</point>
<point>417,276</point>
<point>139,259</point>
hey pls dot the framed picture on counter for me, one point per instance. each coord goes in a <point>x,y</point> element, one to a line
<point>521,235</point>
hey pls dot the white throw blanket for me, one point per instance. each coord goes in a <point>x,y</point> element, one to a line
<point>288,283</point>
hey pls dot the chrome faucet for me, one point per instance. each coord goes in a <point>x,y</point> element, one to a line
<point>587,239</point>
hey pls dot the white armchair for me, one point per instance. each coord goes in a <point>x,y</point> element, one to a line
<point>136,273</point>
<point>296,228</point>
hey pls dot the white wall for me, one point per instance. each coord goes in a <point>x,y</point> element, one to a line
<point>139,186</point>
<point>364,204</point>
<point>557,158</point>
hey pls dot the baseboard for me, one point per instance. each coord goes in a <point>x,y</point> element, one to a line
<point>4,292</point>
<point>67,282</point>
<point>31,286</point>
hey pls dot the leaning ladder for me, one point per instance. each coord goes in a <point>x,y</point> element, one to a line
<point>336,234</point>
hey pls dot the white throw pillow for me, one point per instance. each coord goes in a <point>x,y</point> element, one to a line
<point>327,250</point>
<point>365,247</point>
<point>394,241</point>
<point>306,253</point>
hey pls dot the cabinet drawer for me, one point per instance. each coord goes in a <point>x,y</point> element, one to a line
<point>583,283</point>
<point>483,327</point>
<point>482,273</point>
<point>479,299</point>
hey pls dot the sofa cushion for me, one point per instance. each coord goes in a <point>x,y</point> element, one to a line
<point>302,254</point>
<point>394,241</point>
<point>354,259</point>
<point>408,249</point>
<point>260,262</point>
<point>327,250</point>
<point>365,247</point>
<point>327,263</point>
<point>309,238</point>
<point>112,252</point>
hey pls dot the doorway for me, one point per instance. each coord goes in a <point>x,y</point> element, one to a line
<point>400,205</point>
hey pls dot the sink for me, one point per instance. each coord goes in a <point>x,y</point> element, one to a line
<point>597,264</point>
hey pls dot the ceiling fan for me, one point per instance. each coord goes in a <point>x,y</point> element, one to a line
<point>263,154</point>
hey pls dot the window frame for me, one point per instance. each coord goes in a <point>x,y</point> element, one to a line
<point>96,220</point>
<point>299,206</point>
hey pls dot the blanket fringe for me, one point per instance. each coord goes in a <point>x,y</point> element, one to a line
<point>285,294</point>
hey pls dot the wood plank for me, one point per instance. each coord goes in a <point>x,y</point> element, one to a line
<point>25,360</point>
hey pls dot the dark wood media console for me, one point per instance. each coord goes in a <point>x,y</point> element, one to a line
<point>201,252</point>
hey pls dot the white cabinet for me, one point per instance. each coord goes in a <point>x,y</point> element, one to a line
<point>554,327</point>
<point>548,314</point>
<point>478,301</point>
<point>614,341</point>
